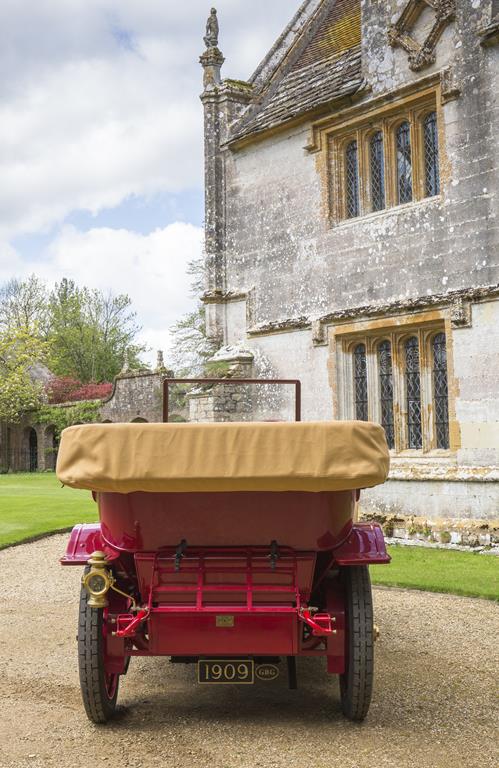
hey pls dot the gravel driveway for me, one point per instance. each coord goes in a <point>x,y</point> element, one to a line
<point>435,700</point>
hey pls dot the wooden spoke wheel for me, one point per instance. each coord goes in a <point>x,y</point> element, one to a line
<point>99,687</point>
<point>357,682</point>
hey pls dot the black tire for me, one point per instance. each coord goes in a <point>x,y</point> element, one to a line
<point>98,689</point>
<point>356,684</point>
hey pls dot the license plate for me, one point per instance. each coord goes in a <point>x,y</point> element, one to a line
<point>226,671</point>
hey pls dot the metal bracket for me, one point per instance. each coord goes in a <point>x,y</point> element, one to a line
<point>274,554</point>
<point>319,623</point>
<point>179,553</point>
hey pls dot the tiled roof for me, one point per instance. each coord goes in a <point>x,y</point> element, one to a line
<point>324,67</point>
<point>338,31</point>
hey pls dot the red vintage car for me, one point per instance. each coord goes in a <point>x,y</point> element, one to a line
<point>231,546</point>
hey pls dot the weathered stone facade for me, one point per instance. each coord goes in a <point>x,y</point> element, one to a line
<point>136,396</point>
<point>294,281</point>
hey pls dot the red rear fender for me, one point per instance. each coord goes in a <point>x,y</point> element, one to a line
<point>364,546</point>
<point>83,541</point>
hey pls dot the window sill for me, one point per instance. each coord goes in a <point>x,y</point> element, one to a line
<point>445,455</point>
<point>427,202</point>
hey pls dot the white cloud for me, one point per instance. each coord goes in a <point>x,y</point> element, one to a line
<point>151,269</point>
<point>99,99</point>
<point>99,102</point>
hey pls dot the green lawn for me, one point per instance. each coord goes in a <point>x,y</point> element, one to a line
<point>440,570</point>
<point>31,505</point>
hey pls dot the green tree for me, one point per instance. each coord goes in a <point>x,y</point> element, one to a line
<point>20,350</point>
<point>23,305</point>
<point>90,332</point>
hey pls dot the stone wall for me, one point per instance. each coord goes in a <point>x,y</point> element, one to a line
<point>223,402</point>
<point>136,396</point>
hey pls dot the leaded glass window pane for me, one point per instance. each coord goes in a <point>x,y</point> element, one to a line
<point>386,390</point>
<point>377,162</point>
<point>352,181</point>
<point>413,394</point>
<point>360,382</point>
<point>432,174</point>
<point>404,163</point>
<point>440,391</point>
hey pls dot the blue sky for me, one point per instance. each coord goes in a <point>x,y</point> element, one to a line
<point>101,140</point>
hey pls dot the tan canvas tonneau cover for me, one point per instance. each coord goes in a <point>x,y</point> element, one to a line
<point>287,456</point>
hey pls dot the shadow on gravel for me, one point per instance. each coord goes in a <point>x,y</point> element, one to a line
<point>183,701</point>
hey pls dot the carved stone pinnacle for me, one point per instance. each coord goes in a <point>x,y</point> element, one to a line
<point>212,30</point>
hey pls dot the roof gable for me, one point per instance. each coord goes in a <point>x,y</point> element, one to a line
<point>284,43</point>
<point>321,65</point>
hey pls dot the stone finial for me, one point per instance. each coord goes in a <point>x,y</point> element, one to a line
<point>212,59</point>
<point>160,361</point>
<point>126,361</point>
<point>212,30</point>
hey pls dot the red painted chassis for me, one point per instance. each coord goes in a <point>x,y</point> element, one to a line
<point>291,606</point>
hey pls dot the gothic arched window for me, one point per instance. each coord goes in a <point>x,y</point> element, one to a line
<point>404,163</point>
<point>432,175</point>
<point>386,390</point>
<point>360,382</point>
<point>440,390</point>
<point>413,394</point>
<point>377,171</point>
<point>352,180</point>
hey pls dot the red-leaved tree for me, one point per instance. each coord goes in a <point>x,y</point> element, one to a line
<point>64,389</point>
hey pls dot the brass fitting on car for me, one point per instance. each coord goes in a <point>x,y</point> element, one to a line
<point>98,581</point>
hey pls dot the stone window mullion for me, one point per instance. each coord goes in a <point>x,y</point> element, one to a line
<point>337,183</point>
<point>345,400</point>
<point>425,368</point>
<point>399,398</point>
<point>390,164</point>
<point>373,382</point>
<point>416,157</point>
<point>363,161</point>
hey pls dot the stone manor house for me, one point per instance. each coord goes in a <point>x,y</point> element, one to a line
<point>352,231</point>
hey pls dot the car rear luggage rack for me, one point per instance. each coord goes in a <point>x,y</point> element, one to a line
<point>201,587</point>
<point>200,595</point>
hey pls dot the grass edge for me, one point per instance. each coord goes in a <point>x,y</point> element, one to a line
<point>36,537</point>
